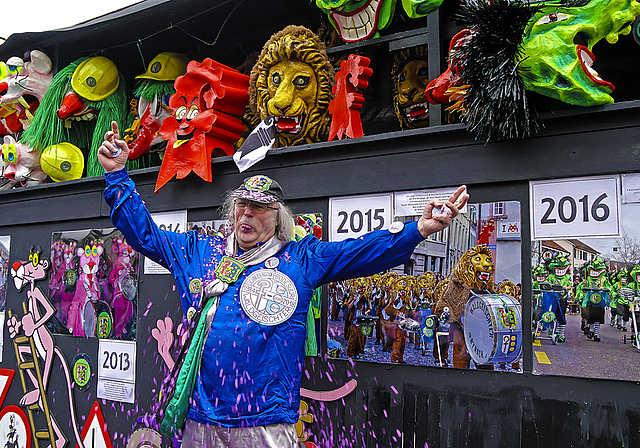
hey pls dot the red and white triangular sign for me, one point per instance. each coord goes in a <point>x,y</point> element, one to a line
<point>94,434</point>
<point>6,376</point>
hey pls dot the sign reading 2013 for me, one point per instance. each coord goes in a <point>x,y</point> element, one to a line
<point>578,207</point>
<point>356,215</point>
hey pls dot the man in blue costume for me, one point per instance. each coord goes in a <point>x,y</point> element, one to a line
<point>251,293</point>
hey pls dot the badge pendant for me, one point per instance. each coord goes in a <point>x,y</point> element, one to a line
<point>229,269</point>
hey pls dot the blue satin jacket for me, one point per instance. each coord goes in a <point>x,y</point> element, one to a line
<point>250,373</point>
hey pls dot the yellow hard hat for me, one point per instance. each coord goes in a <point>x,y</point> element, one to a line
<point>167,66</point>
<point>63,161</point>
<point>95,78</point>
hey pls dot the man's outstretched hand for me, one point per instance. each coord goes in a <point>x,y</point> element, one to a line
<point>438,215</point>
<point>114,152</point>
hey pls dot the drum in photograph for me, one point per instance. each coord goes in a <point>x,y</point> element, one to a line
<point>409,325</point>
<point>97,319</point>
<point>493,328</point>
<point>597,297</point>
<point>367,322</point>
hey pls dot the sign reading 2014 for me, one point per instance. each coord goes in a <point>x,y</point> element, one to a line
<point>578,207</point>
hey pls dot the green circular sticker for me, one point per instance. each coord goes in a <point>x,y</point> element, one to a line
<point>91,81</point>
<point>430,322</point>
<point>155,67</point>
<point>548,316</point>
<point>70,277</point>
<point>65,166</point>
<point>195,286</point>
<point>104,325</point>
<point>595,298</point>
<point>366,330</point>
<point>82,371</point>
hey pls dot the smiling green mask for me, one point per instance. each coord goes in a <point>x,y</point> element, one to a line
<point>356,20</point>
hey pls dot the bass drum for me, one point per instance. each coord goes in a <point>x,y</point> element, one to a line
<point>493,328</point>
<point>97,319</point>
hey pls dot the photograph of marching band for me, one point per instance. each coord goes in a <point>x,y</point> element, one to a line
<point>586,302</point>
<point>455,303</point>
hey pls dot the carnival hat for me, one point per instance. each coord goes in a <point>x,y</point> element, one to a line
<point>261,189</point>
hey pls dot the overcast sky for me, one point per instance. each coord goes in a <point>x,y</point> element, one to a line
<point>20,17</point>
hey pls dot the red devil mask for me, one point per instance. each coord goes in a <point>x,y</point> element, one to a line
<point>200,124</point>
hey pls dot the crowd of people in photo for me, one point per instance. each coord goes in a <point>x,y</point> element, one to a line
<point>399,314</point>
<point>595,289</point>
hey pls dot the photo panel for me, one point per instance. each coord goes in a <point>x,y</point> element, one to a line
<point>93,284</point>
<point>585,258</point>
<point>454,303</point>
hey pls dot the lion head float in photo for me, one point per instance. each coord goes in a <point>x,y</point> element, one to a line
<point>292,81</point>
<point>474,271</point>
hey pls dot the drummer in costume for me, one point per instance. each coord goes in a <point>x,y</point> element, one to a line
<point>359,306</point>
<point>387,327</point>
<point>376,294</point>
<point>441,345</point>
<point>398,310</point>
<point>241,375</point>
<point>621,294</point>
<point>593,292</point>
<point>425,285</point>
<point>473,272</point>
<point>558,267</point>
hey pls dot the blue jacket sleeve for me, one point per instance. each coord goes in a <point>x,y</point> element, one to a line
<point>130,215</point>
<point>369,254</point>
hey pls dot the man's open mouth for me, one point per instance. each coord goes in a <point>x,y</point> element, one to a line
<point>290,125</point>
<point>418,111</point>
<point>359,24</point>
<point>587,59</point>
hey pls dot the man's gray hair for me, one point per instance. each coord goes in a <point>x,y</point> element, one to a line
<point>285,228</point>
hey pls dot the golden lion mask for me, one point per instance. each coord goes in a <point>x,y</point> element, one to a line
<point>476,268</point>
<point>296,47</point>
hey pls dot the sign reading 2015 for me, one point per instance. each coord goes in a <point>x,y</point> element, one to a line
<point>578,207</point>
<point>356,215</point>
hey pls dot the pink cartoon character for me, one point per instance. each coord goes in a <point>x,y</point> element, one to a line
<point>82,317</point>
<point>38,311</point>
<point>122,281</point>
<point>20,165</point>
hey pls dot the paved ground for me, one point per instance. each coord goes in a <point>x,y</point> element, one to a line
<point>374,353</point>
<point>610,358</point>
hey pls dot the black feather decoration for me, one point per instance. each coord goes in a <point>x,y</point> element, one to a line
<point>496,106</point>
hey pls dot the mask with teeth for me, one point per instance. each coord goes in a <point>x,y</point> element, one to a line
<point>208,99</point>
<point>356,20</point>
<point>292,82</point>
<point>409,77</point>
<point>557,59</point>
<point>559,271</point>
<point>476,268</point>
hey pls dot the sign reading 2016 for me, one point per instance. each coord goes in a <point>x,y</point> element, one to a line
<point>579,207</point>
